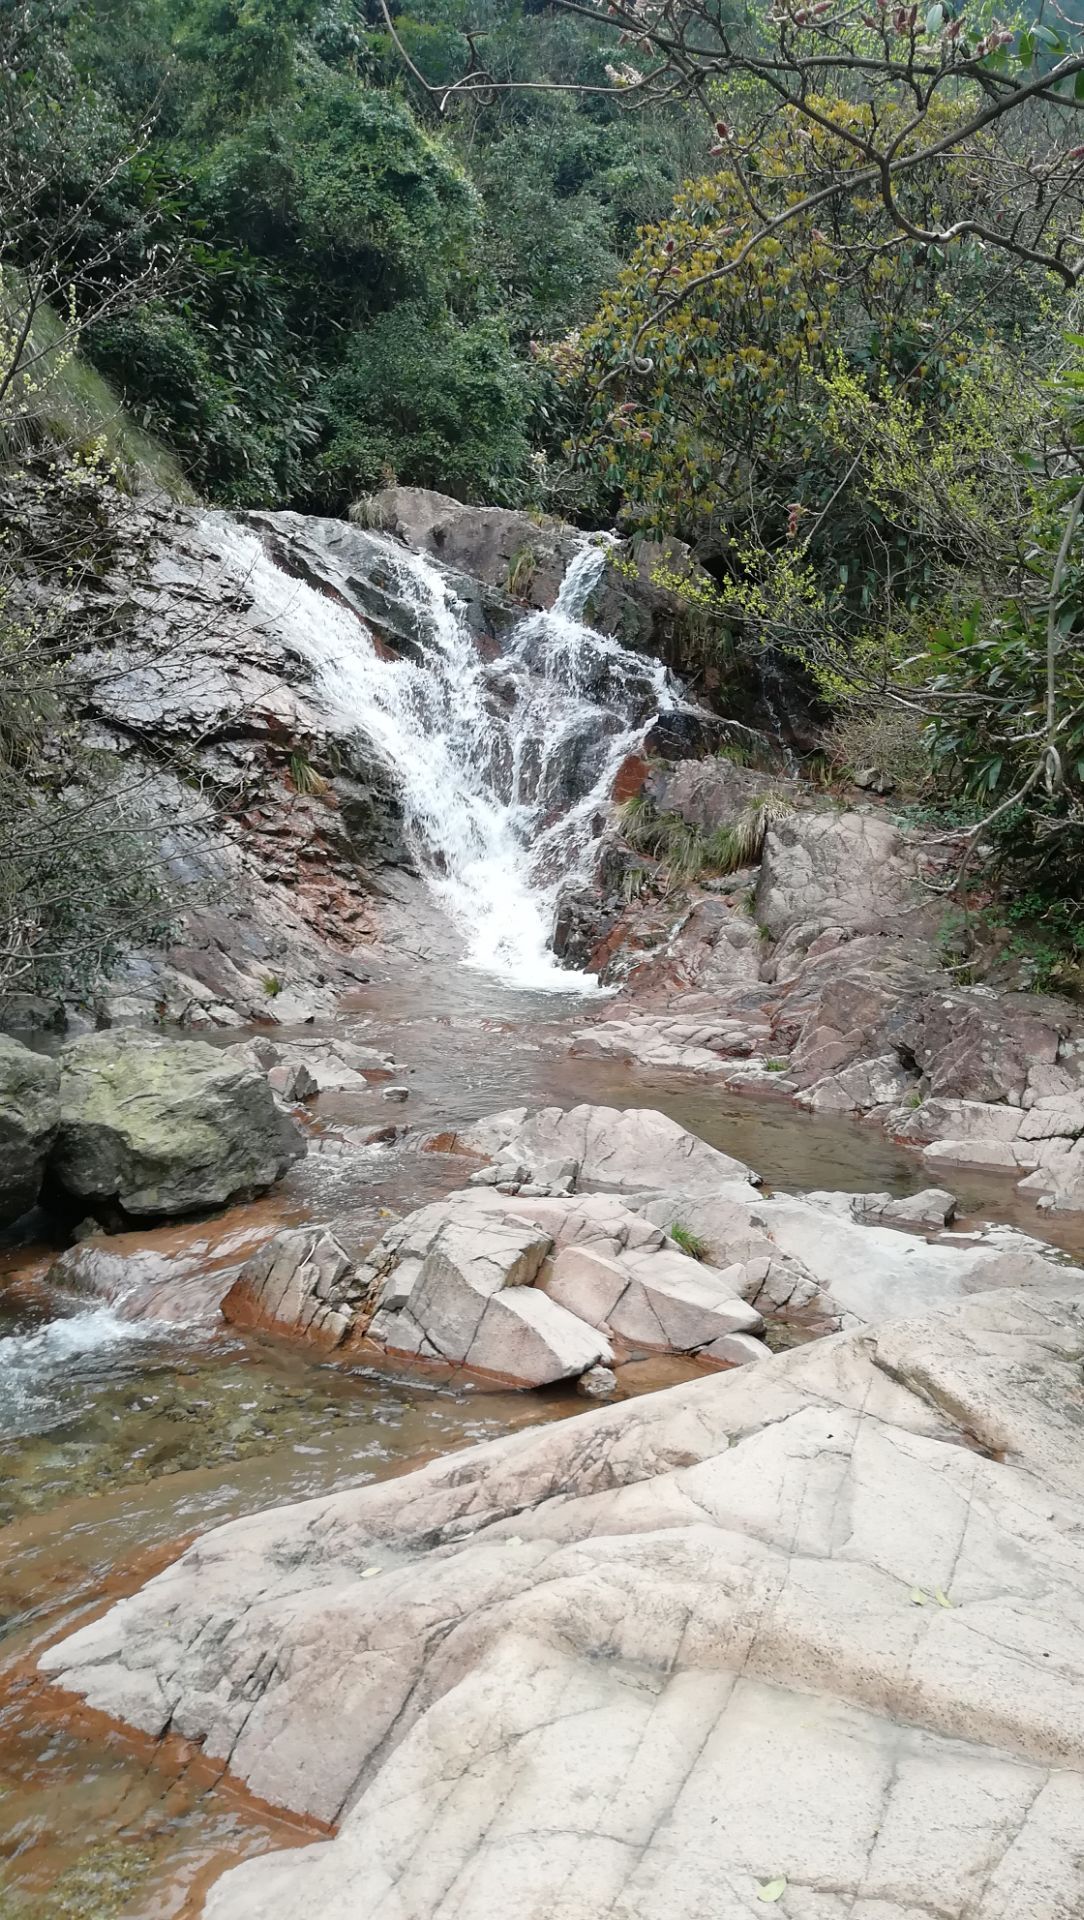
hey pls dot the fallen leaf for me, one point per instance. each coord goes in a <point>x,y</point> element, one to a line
<point>367,1573</point>
<point>771,1890</point>
<point>942,1599</point>
<point>918,1597</point>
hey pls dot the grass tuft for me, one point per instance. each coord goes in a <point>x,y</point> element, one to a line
<point>686,852</point>
<point>690,1243</point>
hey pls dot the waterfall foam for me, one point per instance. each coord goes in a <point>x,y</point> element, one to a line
<point>36,1366</point>
<point>504,768</point>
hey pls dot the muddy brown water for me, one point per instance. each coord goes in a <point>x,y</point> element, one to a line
<point>119,1443</point>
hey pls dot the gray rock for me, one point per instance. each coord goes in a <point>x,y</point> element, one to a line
<point>775,1625</point>
<point>710,793</point>
<point>292,1081</point>
<point>598,1382</point>
<point>454,1282</point>
<point>977,1046</point>
<point>617,1150</point>
<point>161,1127</point>
<point>493,544</point>
<point>933,1207</point>
<point>302,1282</point>
<point>848,870</point>
<point>396,1093</point>
<point>29,1117</point>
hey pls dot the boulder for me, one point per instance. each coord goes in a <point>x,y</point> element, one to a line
<point>453,1280</point>
<point>29,1117</point>
<point>451,1283</point>
<point>851,870</point>
<point>932,1208</point>
<point>160,1127</point>
<point>972,1044</point>
<point>495,545</point>
<point>301,1282</point>
<point>810,1629</point>
<point>292,1081</point>
<point>326,1065</point>
<point>859,1088</point>
<point>712,793</point>
<point>656,1299</point>
<point>617,1150</point>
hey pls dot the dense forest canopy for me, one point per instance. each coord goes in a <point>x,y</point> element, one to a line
<point>796,284</point>
<point>358,278</point>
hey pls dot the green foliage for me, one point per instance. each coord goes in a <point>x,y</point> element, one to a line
<point>422,397</point>
<point>686,853</point>
<point>81,869</point>
<point>304,775</point>
<point>765,400</point>
<point>690,1243</point>
<point>521,572</point>
<point>356,283</point>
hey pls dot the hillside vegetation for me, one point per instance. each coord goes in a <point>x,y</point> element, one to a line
<point>799,286</point>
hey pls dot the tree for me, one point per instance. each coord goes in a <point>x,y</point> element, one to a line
<point>80,875</point>
<point>65,260</point>
<point>946,90</point>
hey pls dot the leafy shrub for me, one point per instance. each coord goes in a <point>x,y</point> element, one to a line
<point>428,399</point>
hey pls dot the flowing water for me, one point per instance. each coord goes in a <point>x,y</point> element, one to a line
<point>503,767</point>
<point>127,1428</point>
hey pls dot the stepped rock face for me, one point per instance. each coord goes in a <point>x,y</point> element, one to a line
<point>817,1620</point>
<point>165,1127</point>
<point>29,1117</point>
<point>534,1288</point>
<point>616,1151</point>
<point>300,1282</point>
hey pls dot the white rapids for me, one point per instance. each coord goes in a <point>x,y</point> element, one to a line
<point>48,1364</point>
<point>504,768</point>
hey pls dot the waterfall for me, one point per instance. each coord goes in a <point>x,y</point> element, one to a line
<point>503,768</point>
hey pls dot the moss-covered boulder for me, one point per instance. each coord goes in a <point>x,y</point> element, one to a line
<point>156,1127</point>
<point>29,1117</point>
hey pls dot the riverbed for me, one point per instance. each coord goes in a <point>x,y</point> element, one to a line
<point>123,1437</point>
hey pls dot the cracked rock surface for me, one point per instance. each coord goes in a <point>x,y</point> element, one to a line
<point>819,1619</point>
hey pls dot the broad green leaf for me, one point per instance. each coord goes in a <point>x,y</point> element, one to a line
<point>942,1599</point>
<point>935,19</point>
<point>771,1890</point>
<point>919,1598</point>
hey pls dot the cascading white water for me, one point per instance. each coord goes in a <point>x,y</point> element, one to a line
<point>504,769</point>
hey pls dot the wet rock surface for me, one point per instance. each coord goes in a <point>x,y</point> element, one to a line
<point>301,1282</point>
<point>581,1652</point>
<point>817,975</point>
<point>156,1128</point>
<point>29,1117</point>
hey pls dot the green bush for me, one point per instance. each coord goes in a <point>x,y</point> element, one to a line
<point>424,398</point>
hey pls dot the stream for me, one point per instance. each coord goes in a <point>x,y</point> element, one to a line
<point>125,1433</point>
